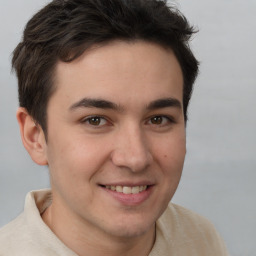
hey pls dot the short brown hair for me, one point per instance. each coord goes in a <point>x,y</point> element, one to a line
<point>64,29</point>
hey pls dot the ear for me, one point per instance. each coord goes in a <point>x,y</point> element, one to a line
<point>32,136</point>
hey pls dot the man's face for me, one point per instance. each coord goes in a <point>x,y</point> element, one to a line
<point>116,137</point>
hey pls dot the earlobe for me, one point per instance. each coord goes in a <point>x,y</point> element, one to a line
<point>32,137</point>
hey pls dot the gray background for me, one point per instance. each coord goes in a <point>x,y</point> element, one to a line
<point>219,175</point>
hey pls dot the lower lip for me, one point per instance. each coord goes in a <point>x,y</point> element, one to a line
<point>130,199</point>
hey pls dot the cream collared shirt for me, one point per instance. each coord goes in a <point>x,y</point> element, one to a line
<point>179,232</point>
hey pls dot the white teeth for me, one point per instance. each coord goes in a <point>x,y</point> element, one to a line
<point>135,190</point>
<point>127,190</point>
<point>119,189</point>
<point>143,188</point>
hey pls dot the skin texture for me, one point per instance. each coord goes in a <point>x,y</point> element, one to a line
<point>123,145</point>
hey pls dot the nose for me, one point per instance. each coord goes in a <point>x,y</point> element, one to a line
<point>131,150</point>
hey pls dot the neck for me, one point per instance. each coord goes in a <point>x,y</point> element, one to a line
<point>84,239</point>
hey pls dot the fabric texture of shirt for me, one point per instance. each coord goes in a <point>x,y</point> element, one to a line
<point>179,232</point>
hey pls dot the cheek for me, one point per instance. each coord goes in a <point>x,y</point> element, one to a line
<point>171,157</point>
<point>171,160</point>
<point>71,172</point>
<point>75,161</point>
<point>172,152</point>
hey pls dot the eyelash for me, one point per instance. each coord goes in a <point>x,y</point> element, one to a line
<point>90,118</point>
<point>168,119</point>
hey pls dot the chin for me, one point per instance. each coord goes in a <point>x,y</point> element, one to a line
<point>131,229</point>
<point>131,232</point>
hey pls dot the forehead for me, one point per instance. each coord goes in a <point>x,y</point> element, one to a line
<point>124,68</point>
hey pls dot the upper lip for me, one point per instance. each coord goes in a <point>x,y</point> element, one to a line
<point>128,183</point>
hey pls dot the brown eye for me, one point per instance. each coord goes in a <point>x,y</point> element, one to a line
<point>157,120</point>
<point>161,121</point>
<point>95,121</point>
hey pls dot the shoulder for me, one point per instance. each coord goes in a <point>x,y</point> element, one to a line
<point>182,217</point>
<point>28,235</point>
<point>11,236</point>
<point>17,237</point>
<point>189,233</point>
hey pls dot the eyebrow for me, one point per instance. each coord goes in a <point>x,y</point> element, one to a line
<point>105,104</point>
<point>164,103</point>
<point>95,103</point>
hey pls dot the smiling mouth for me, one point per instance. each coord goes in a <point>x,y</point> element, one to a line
<point>127,190</point>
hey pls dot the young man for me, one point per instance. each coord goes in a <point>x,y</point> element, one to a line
<point>104,88</point>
